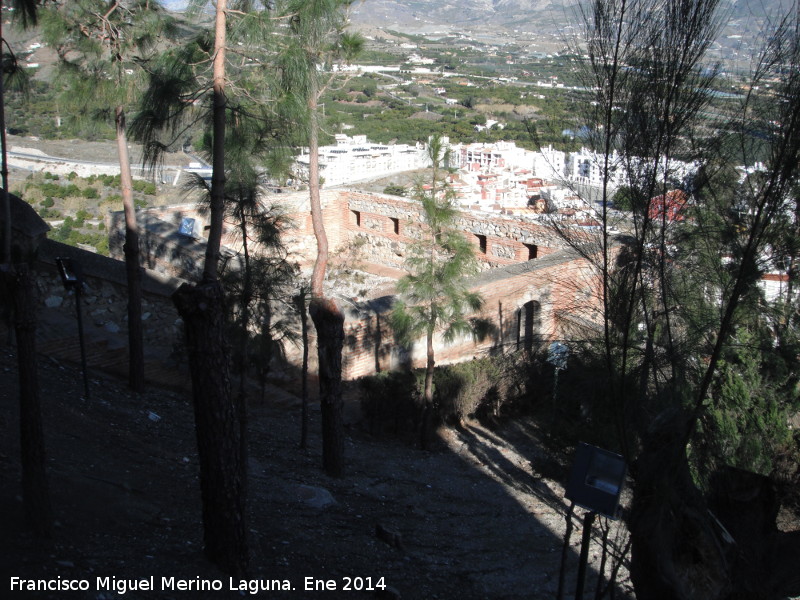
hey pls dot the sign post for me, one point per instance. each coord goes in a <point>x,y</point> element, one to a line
<point>557,355</point>
<point>595,483</point>
<point>70,272</point>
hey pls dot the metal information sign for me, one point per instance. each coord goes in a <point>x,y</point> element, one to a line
<point>596,480</point>
<point>557,355</point>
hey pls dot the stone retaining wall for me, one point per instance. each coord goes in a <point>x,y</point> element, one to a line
<point>105,296</point>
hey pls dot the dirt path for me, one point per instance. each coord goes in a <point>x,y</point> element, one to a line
<point>478,518</point>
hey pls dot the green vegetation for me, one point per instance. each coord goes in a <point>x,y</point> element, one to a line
<point>433,296</point>
<point>395,189</point>
<point>484,387</point>
<point>39,113</point>
<point>78,200</point>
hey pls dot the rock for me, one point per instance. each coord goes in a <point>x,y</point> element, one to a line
<point>54,301</point>
<point>391,537</point>
<point>146,316</point>
<point>111,327</point>
<point>315,497</point>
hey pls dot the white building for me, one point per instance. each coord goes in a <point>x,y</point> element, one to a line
<point>353,159</point>
<point>587,167</point>
<point>549,164</point>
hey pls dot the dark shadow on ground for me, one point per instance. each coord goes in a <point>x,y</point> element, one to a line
<point>471,522</point>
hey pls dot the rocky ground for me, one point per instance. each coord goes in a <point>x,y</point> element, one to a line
<point>481,516</point>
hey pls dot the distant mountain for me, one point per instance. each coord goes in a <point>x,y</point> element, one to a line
<point>545,17</point>
<point>452,14</point>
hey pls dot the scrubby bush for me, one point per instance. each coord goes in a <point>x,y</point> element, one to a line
<point>462,389</point>
<point>90,193</point>
<point>479,388</point>
<point>110,180</point>
<point>482,387</point>
<point>144,187</point>
<point>394,189</point>
<point>389,401</point>
<point>49,213</point>
<point>80,217</point>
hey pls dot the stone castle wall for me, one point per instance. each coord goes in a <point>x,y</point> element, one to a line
<point>532,283</point>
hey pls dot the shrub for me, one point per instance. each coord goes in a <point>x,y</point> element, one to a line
<point>90,193</point>
<point>389,401</point>
<point>80,217</point>
<point>460,389</point>
<point>102,245</point>
<point>144,187</point>
<point>476,388</point>
<point>72,190</point>
<point>48,202</point>
<point>110,180</point>
<point>53,190</point>
<point>394,189</point>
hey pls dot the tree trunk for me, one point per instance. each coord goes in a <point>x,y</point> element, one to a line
<point>217,415</point>
<point>677,552</point>
<point>217,209</point>
<point>21,286</point>
<point>329,323</point>
<point>132,267</point>
<point>427,396</point>
<point>301,306</point>
<point>321,263</point>
<point>328,319</point>
<point>222,468</point>
<point>244,311</point>
<point>5,234</point>
<point>241,403</point>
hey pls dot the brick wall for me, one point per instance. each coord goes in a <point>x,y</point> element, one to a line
<point>389,224</point>
<point>530,302</point>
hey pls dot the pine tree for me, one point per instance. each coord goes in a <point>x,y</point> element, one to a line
<point>183,79</point>
<point>672,307</point>
<point>317,40</point>
<point>435,295</point>
<point>20,290</point>
<point>100,46</point>
<point>28,14</point>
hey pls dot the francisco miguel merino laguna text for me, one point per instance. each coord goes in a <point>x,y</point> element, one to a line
<point>122,586</point>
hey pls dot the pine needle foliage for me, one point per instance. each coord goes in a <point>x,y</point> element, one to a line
<point>178,101</point>
<point>102,48</point>
<point>434,295</point>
